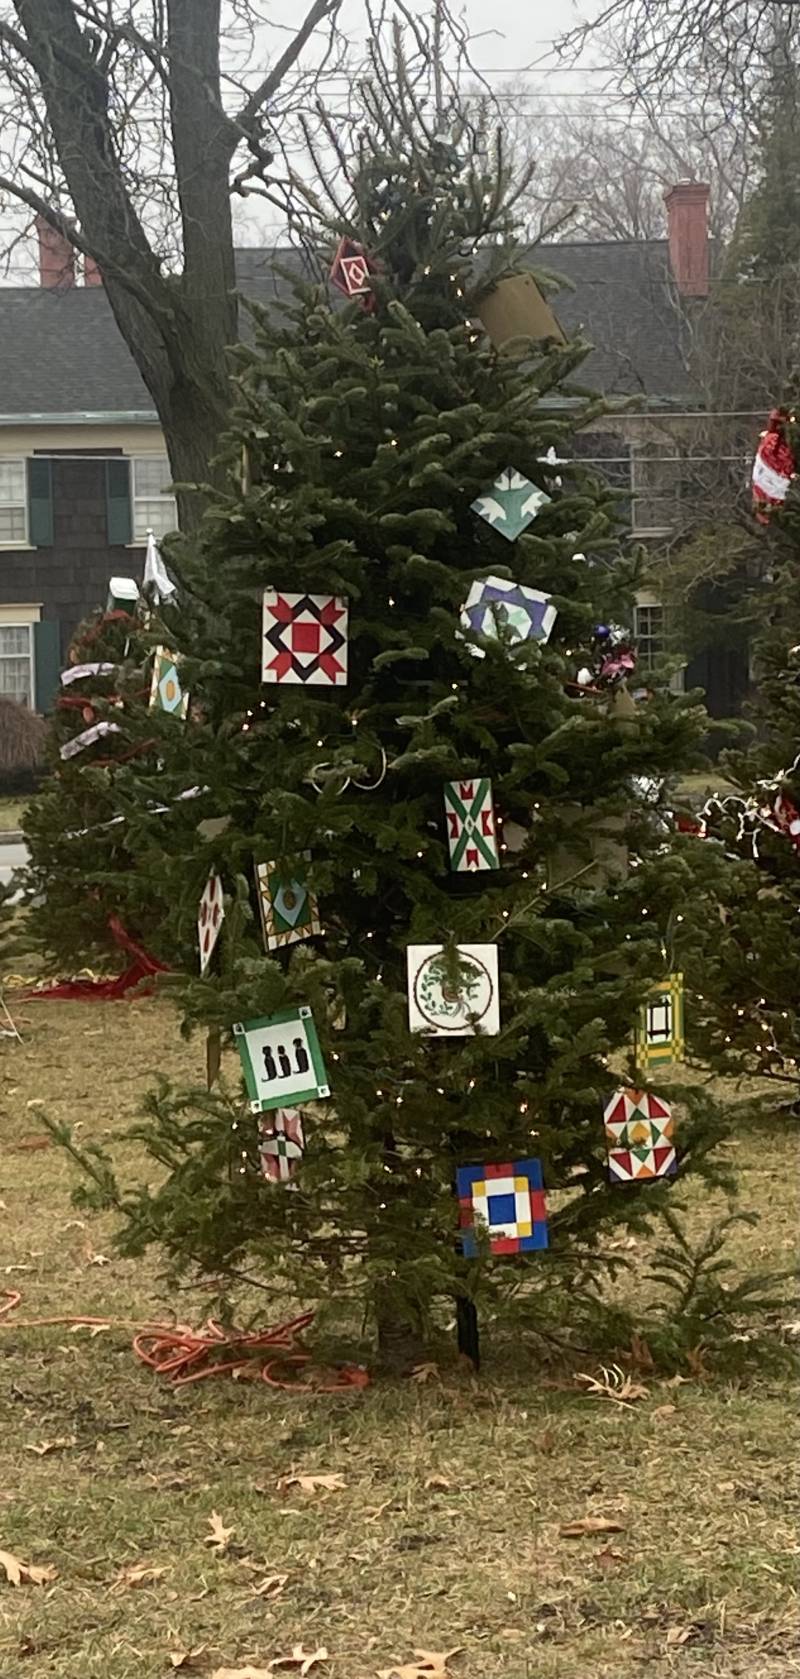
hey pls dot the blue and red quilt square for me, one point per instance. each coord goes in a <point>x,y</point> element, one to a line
<point>507,1201</point>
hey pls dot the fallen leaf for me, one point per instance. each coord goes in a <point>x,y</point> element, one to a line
<point>48,1446</point>
<point>312,1483</point>
<point>272,1586</point>
<point>27,1145</point>
<point>681,1635</point>
<point>607,1557</point>
<point>97,1259</point>
<point>305,1660</point>
<point>695,1358</point>
<point>428,1664</point>
<point>437,1483</point>
<point>676,1382</point>
<point>640,1355</point>
<point>663,1411</point>
<point>242,1673</point>
<point>138,1574</point>
<point>590,1524</point>
<point>375,1515</point>
<point>186,1658</point>
<point>19,1573</point>
<point>220,1536</point>
<point>425,1373</point>
<point>613,1384</point>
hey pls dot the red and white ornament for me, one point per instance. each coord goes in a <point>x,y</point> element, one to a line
<point>350,272</point>
<point>773,467</point>
<point>210,918</point>
<point>304,639</point>
<point>281,1143</point>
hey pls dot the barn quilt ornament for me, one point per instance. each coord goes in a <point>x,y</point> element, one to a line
<point>659,1038</point>
<point>350,272</point>
<point>507,1202</point>
<point>639,1137</point>
<point>281,1059</point>
<point>166,693</point>
<point>444,1003</point>
<point>511,504</point>
<point>288,908</point>
<point>305,639</point>
<point>471,833</point>
<point>281,1144</point>
<point>495,602</point>
<point>210,918</point>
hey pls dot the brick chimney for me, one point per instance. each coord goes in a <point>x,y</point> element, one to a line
<point>91,272</point>
<point>687,226</point>
<point>56,258</point>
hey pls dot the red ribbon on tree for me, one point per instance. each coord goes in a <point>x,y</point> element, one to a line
<point>774,466</point>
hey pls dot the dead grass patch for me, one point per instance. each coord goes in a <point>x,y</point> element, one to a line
<point>443,1526</point>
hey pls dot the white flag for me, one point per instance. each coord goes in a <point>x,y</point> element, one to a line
<point>156,582</point>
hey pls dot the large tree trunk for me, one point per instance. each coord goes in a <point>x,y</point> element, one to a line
<point>177,328</point>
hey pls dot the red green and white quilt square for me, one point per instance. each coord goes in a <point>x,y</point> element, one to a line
<point>305,639</point>
<point>639,1137</point>
<point>471,834</point>
<point>281,1144</point>
<point>511,503</point>
<point>210,918</point>
<point>507,1202</point>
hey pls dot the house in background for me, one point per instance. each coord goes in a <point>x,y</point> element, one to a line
<point>84,470</point>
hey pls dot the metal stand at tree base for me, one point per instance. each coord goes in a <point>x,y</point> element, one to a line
<point>467,1328</point>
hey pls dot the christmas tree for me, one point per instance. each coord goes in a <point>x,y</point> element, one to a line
<point>745,937</point>
<point>411,726</point>
<point>85,897</point>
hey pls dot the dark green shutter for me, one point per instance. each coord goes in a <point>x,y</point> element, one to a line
<point>40,502</point>
<point>46,663</point>
<point>118,502</point>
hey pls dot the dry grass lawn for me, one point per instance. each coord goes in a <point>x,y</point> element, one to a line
<point>445,1530</point>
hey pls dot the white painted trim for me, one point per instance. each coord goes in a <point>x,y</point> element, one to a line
<point>24,618</point>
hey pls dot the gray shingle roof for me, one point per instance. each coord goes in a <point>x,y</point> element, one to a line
<point>62,353</point>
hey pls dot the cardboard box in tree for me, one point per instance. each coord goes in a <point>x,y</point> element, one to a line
<point>516,308</point>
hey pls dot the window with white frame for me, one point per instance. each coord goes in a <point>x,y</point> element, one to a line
<point>648,633</point>
<point>13,503</point>
<point>16,663</point>
<point>153,507</point>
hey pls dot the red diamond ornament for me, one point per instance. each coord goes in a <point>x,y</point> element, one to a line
<point>350,272</point>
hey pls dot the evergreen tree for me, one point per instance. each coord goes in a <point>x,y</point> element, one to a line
<point>745,358</point>
<point>746,934</point>
<point>81,881</point>
<point>364,437</point>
